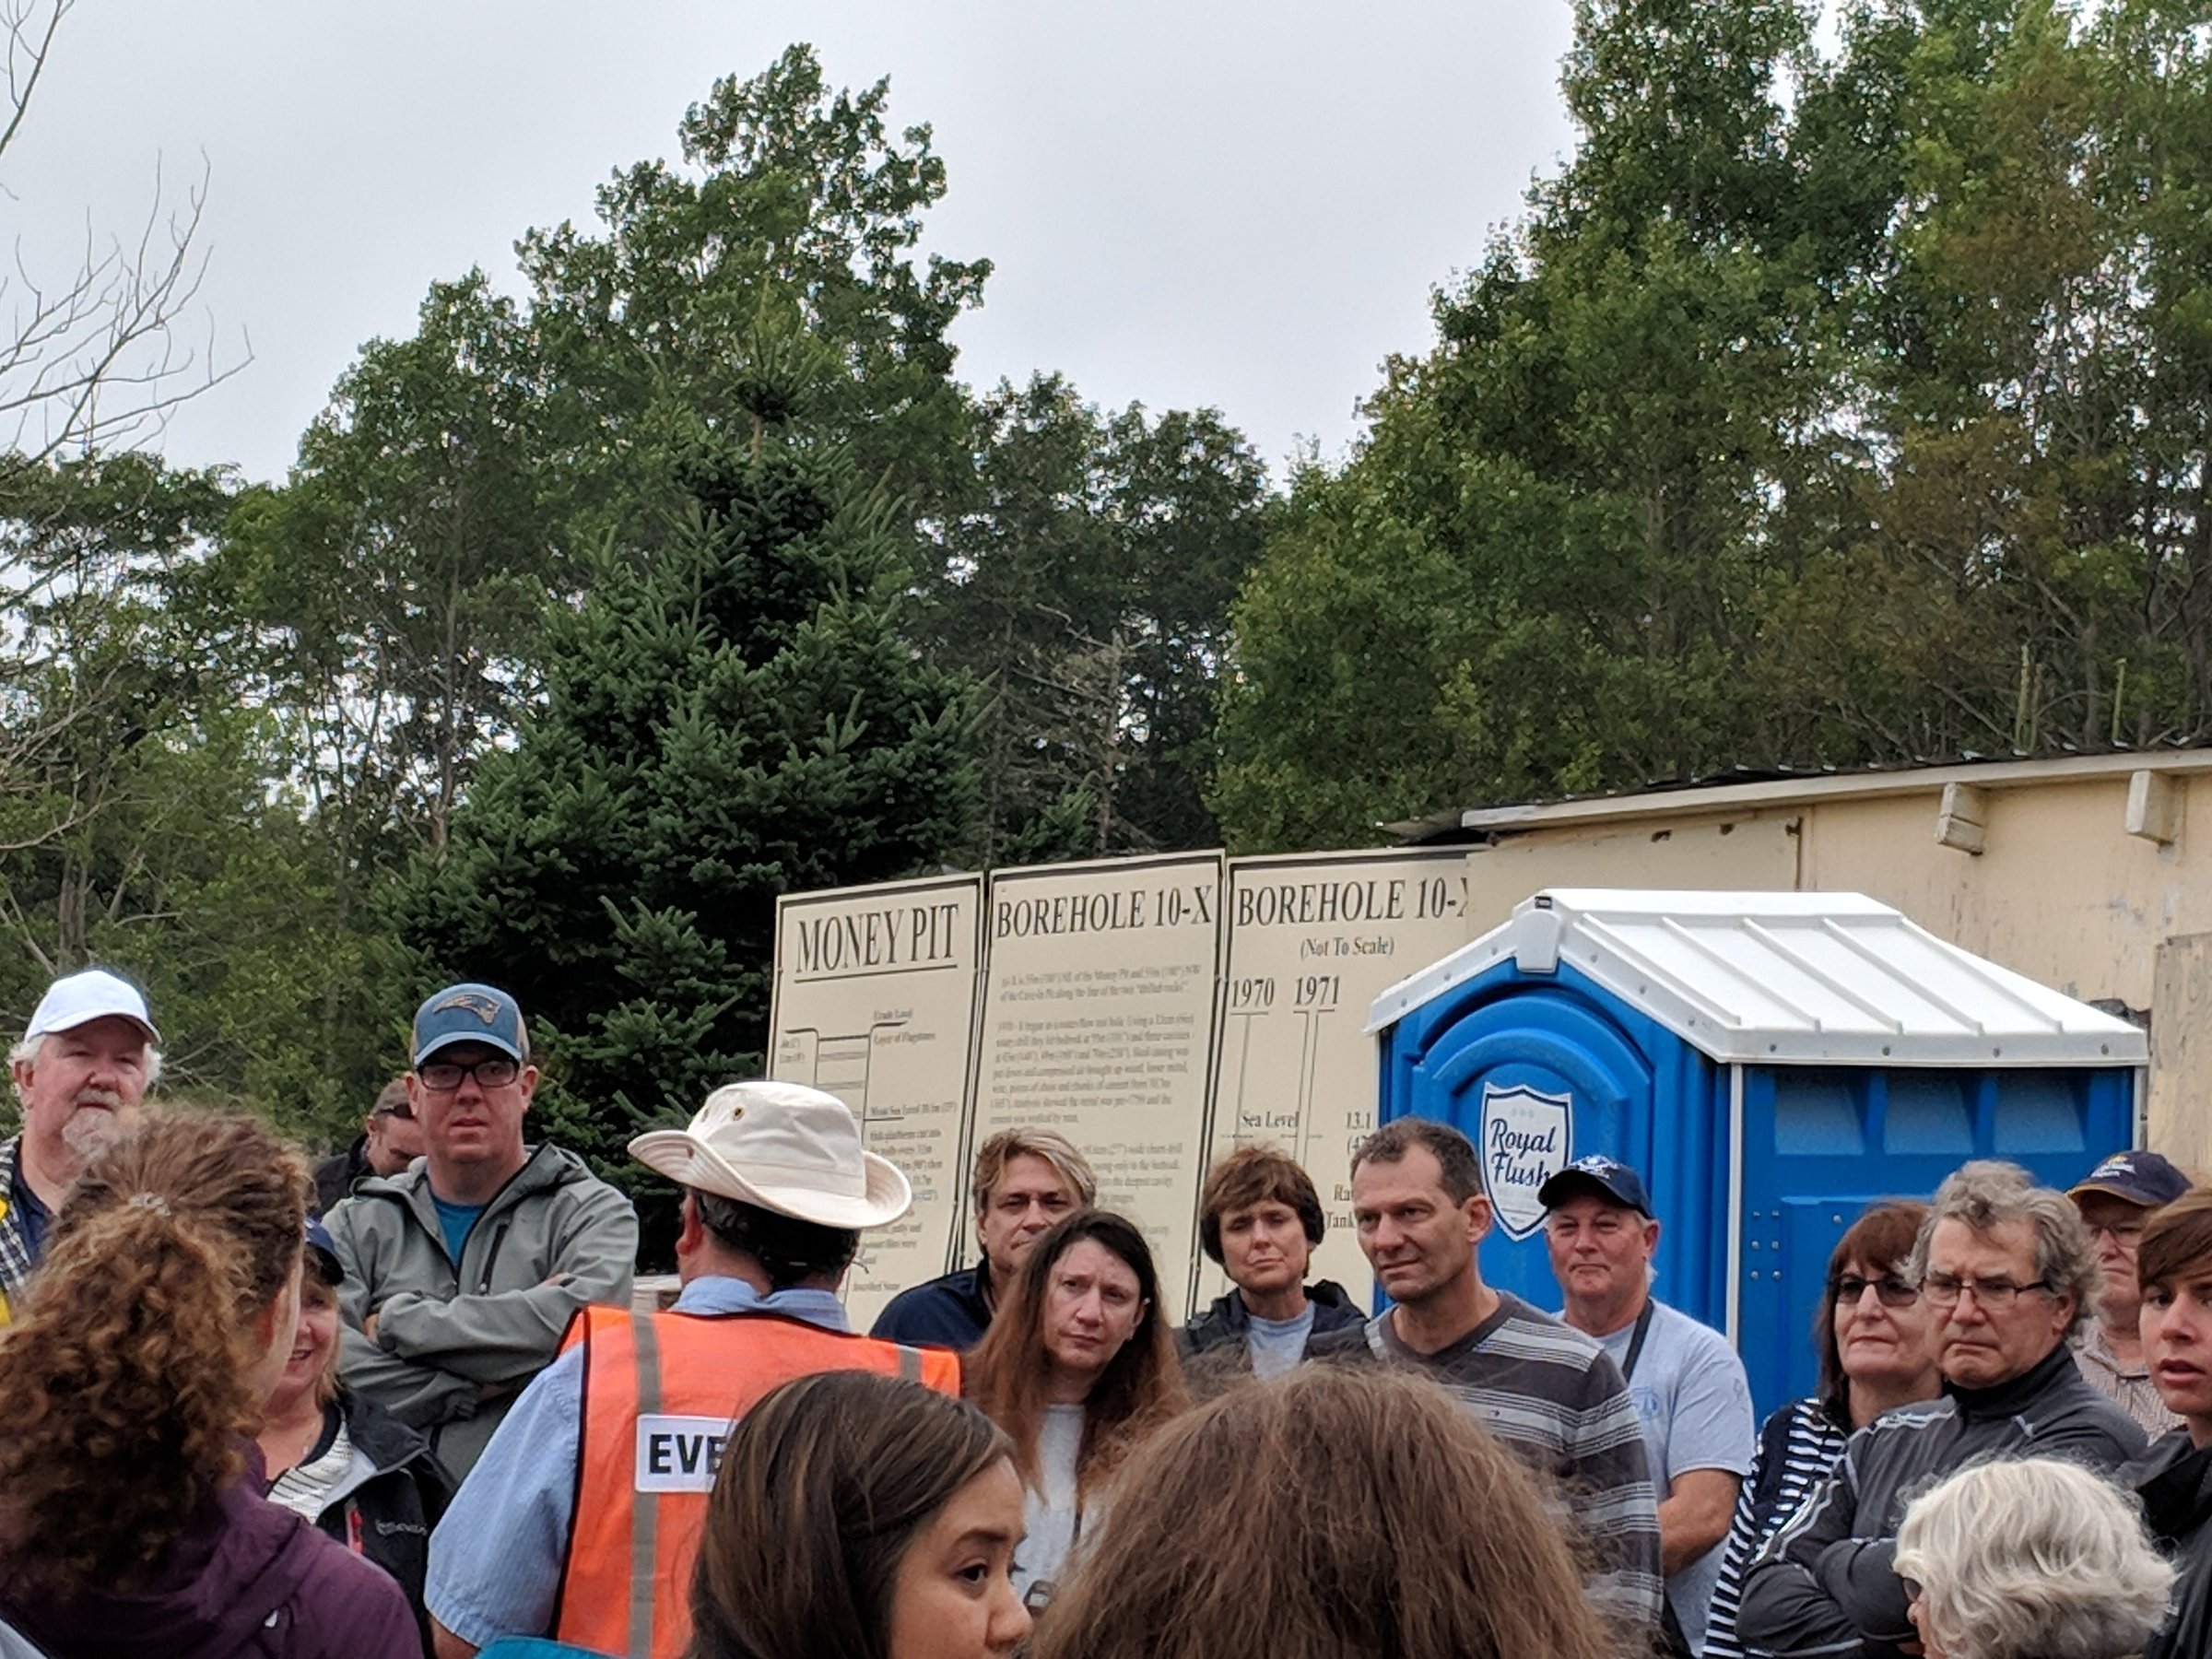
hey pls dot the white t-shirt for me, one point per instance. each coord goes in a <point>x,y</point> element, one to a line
<point>1695,1404</point>
<point>1278,1345</point>
<point>1049,1507</point>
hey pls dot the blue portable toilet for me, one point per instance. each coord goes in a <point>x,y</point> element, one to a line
<point>1771,1063</point>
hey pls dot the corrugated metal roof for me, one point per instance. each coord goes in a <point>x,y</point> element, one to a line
<point>1787,979</point>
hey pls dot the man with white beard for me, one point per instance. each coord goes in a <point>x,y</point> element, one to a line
<point>84,1064</point>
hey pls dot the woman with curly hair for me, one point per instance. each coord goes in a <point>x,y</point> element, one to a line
<point>1337,1513</point>
<point>132,1519</point>
<point>1079,1365</point>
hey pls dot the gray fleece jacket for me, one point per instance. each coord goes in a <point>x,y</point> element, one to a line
<point>455,1342</point>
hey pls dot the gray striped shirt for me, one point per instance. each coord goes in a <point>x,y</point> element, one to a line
<point>1552,1394</point>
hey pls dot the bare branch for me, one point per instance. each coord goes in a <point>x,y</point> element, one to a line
<point>28,44</point>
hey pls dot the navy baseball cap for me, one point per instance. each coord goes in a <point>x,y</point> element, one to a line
<point>2138,1177</point>
<point>470,1013</point>
<point>1609,1177</point>
<point>322,1253</point>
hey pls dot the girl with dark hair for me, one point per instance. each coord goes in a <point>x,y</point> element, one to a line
<point>132,1520</point>
<point>1334,1513</point>
<point>1079,1365</point>
<point>1878,1344</point>
<point>864,1516</point>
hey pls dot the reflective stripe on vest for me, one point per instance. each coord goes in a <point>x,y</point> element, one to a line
<point>659,1393</point>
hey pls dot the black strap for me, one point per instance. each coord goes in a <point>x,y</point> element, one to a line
<point>1644,1329</point>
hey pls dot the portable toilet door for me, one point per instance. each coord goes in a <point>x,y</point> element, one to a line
<point>1771,1063</point>
<point>1538,1065</point>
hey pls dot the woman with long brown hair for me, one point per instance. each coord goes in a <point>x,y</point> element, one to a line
<point>1079,1365</point>
<point>864,1516</point>
<point>1334,1513</point>
<point>132,1520</point>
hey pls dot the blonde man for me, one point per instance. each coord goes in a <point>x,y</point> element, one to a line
<point>1025,1180</point>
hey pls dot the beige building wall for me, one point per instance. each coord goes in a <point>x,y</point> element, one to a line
<point>2061,889</point>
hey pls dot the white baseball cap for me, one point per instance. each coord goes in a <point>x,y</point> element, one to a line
<point>92,994</point>
<point>786,1148</point>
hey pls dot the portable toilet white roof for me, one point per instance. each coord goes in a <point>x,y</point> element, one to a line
<point>1781,978</point>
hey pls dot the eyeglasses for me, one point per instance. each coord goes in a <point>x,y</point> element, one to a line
<point>2127,1234</point>
<point>1889,1291</point>
<point>1992,1296</point>
<point>403,1111</point>
<point>445,1076</point>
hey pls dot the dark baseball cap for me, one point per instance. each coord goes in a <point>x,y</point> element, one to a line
<point>2135,1177</point>
<point>322,1253</point>
<point>1607,1177</point>
<point>470,1013</point>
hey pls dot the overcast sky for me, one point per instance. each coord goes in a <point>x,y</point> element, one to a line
<point>1236,202</point>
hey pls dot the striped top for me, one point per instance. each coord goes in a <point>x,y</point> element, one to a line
<point>1797,1448</point>
<point>1552,1396</point>
<point>305,1488</point>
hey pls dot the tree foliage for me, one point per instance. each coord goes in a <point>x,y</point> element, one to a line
<point>734,712</point>
<point>1837,404</point>
<point>1086,578</point>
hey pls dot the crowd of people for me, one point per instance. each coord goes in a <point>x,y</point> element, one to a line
<point>406,1403</point>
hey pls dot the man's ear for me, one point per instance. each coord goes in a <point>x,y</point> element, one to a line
<point>1479,1217</point>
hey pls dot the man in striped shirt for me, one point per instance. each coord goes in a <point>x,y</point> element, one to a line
<point>1549,1393</point>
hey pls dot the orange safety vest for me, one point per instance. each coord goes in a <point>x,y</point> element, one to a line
<point>660,1392</point>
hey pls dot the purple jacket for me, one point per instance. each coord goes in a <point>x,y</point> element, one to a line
<point>247,1578</point>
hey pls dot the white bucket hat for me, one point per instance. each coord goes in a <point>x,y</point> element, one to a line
<point>786,1148</point>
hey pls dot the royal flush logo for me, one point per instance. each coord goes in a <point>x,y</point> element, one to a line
<point>1526,1137</point>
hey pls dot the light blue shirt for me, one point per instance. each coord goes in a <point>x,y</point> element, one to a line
<point>1275,1346</point>
<point>495,1558</point>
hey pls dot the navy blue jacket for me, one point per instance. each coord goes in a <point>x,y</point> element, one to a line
<point>1229,1320</point>
<point>945,1312</point>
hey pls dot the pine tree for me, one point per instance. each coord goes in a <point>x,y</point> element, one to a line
<point>733,712</point>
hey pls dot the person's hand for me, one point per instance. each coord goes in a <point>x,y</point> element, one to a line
<point>369,1327</point>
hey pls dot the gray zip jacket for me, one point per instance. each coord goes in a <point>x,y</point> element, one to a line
<point>456,1341</point>
<point>1823,1585</point>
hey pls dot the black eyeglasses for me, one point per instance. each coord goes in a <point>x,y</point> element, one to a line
<point>446,1075</point>
<point>1889,1291</point>
<point>1943,1289</point>
<point>403,1111</point>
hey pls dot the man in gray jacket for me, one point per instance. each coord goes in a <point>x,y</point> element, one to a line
<point>462,1272</point>
<point>2011,1270</point>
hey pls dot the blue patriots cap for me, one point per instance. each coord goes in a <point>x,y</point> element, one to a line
<point>470,1013</point>
<point>1607,1176</point>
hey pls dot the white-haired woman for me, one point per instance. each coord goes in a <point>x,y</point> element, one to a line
<point>2032,1558</point>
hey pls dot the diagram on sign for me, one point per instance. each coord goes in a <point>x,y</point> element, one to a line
<point>1252,1008</point>
<point>839,1063</point>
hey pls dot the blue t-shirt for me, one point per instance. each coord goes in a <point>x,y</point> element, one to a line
<point>454,1221</point>
<point>1276,1346</point>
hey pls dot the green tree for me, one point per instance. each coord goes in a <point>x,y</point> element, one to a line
<point>1834,405</point>
<point>796,210</point>
<point>141,825</point>
<point>1087,579</point>
<point>733,712</point>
